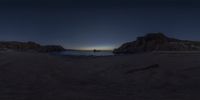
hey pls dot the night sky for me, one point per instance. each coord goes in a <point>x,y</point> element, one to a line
<point>103,24</point>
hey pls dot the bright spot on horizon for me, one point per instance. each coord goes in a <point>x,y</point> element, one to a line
<point>97,48</point>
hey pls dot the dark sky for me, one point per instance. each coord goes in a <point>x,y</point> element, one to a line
<point>103,24</point>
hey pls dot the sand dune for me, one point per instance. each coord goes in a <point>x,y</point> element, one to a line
<point>147,76</point>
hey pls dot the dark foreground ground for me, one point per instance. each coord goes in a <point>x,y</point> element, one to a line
<point>150,76</point>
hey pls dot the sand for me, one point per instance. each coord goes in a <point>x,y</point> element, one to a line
<point>147,76</point>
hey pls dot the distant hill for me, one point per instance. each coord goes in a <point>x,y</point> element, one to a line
<point>29,46</point>
<point>157,42</point>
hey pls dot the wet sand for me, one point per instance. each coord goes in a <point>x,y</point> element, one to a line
<point>147,76</point>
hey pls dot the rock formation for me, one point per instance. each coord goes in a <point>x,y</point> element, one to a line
<point>29,46</point>
<point>157,42</point>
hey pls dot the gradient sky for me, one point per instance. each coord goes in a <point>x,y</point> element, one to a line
<point>103,24</point>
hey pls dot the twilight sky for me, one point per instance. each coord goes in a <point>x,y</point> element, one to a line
<point>100,24</point>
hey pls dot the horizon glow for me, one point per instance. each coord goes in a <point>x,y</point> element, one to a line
<point>102,25</point>
<point>97,48</point>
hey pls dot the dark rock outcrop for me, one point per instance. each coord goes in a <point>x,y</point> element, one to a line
<point>157,42</point>
<point>29,46</point>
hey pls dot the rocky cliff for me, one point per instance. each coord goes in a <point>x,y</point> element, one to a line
<point>157,42</point>
<point>29,46</point>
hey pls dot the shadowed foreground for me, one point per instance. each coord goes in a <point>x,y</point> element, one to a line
<point>148,76</point>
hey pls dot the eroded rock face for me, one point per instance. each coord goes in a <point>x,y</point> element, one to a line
<point>157,42</point>
<point>29,46</point>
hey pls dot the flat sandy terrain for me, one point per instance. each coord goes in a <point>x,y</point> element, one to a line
<point>150,76</point>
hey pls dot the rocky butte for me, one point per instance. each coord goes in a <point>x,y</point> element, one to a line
<point>29,46</point>
<point>157,42</point>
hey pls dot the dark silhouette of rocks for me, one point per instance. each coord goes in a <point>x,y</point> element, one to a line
<point>157,42</point>
<point>94,50</point>
<point>29,46</point>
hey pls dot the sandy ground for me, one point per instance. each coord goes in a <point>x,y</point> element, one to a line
<point>150,76</point>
